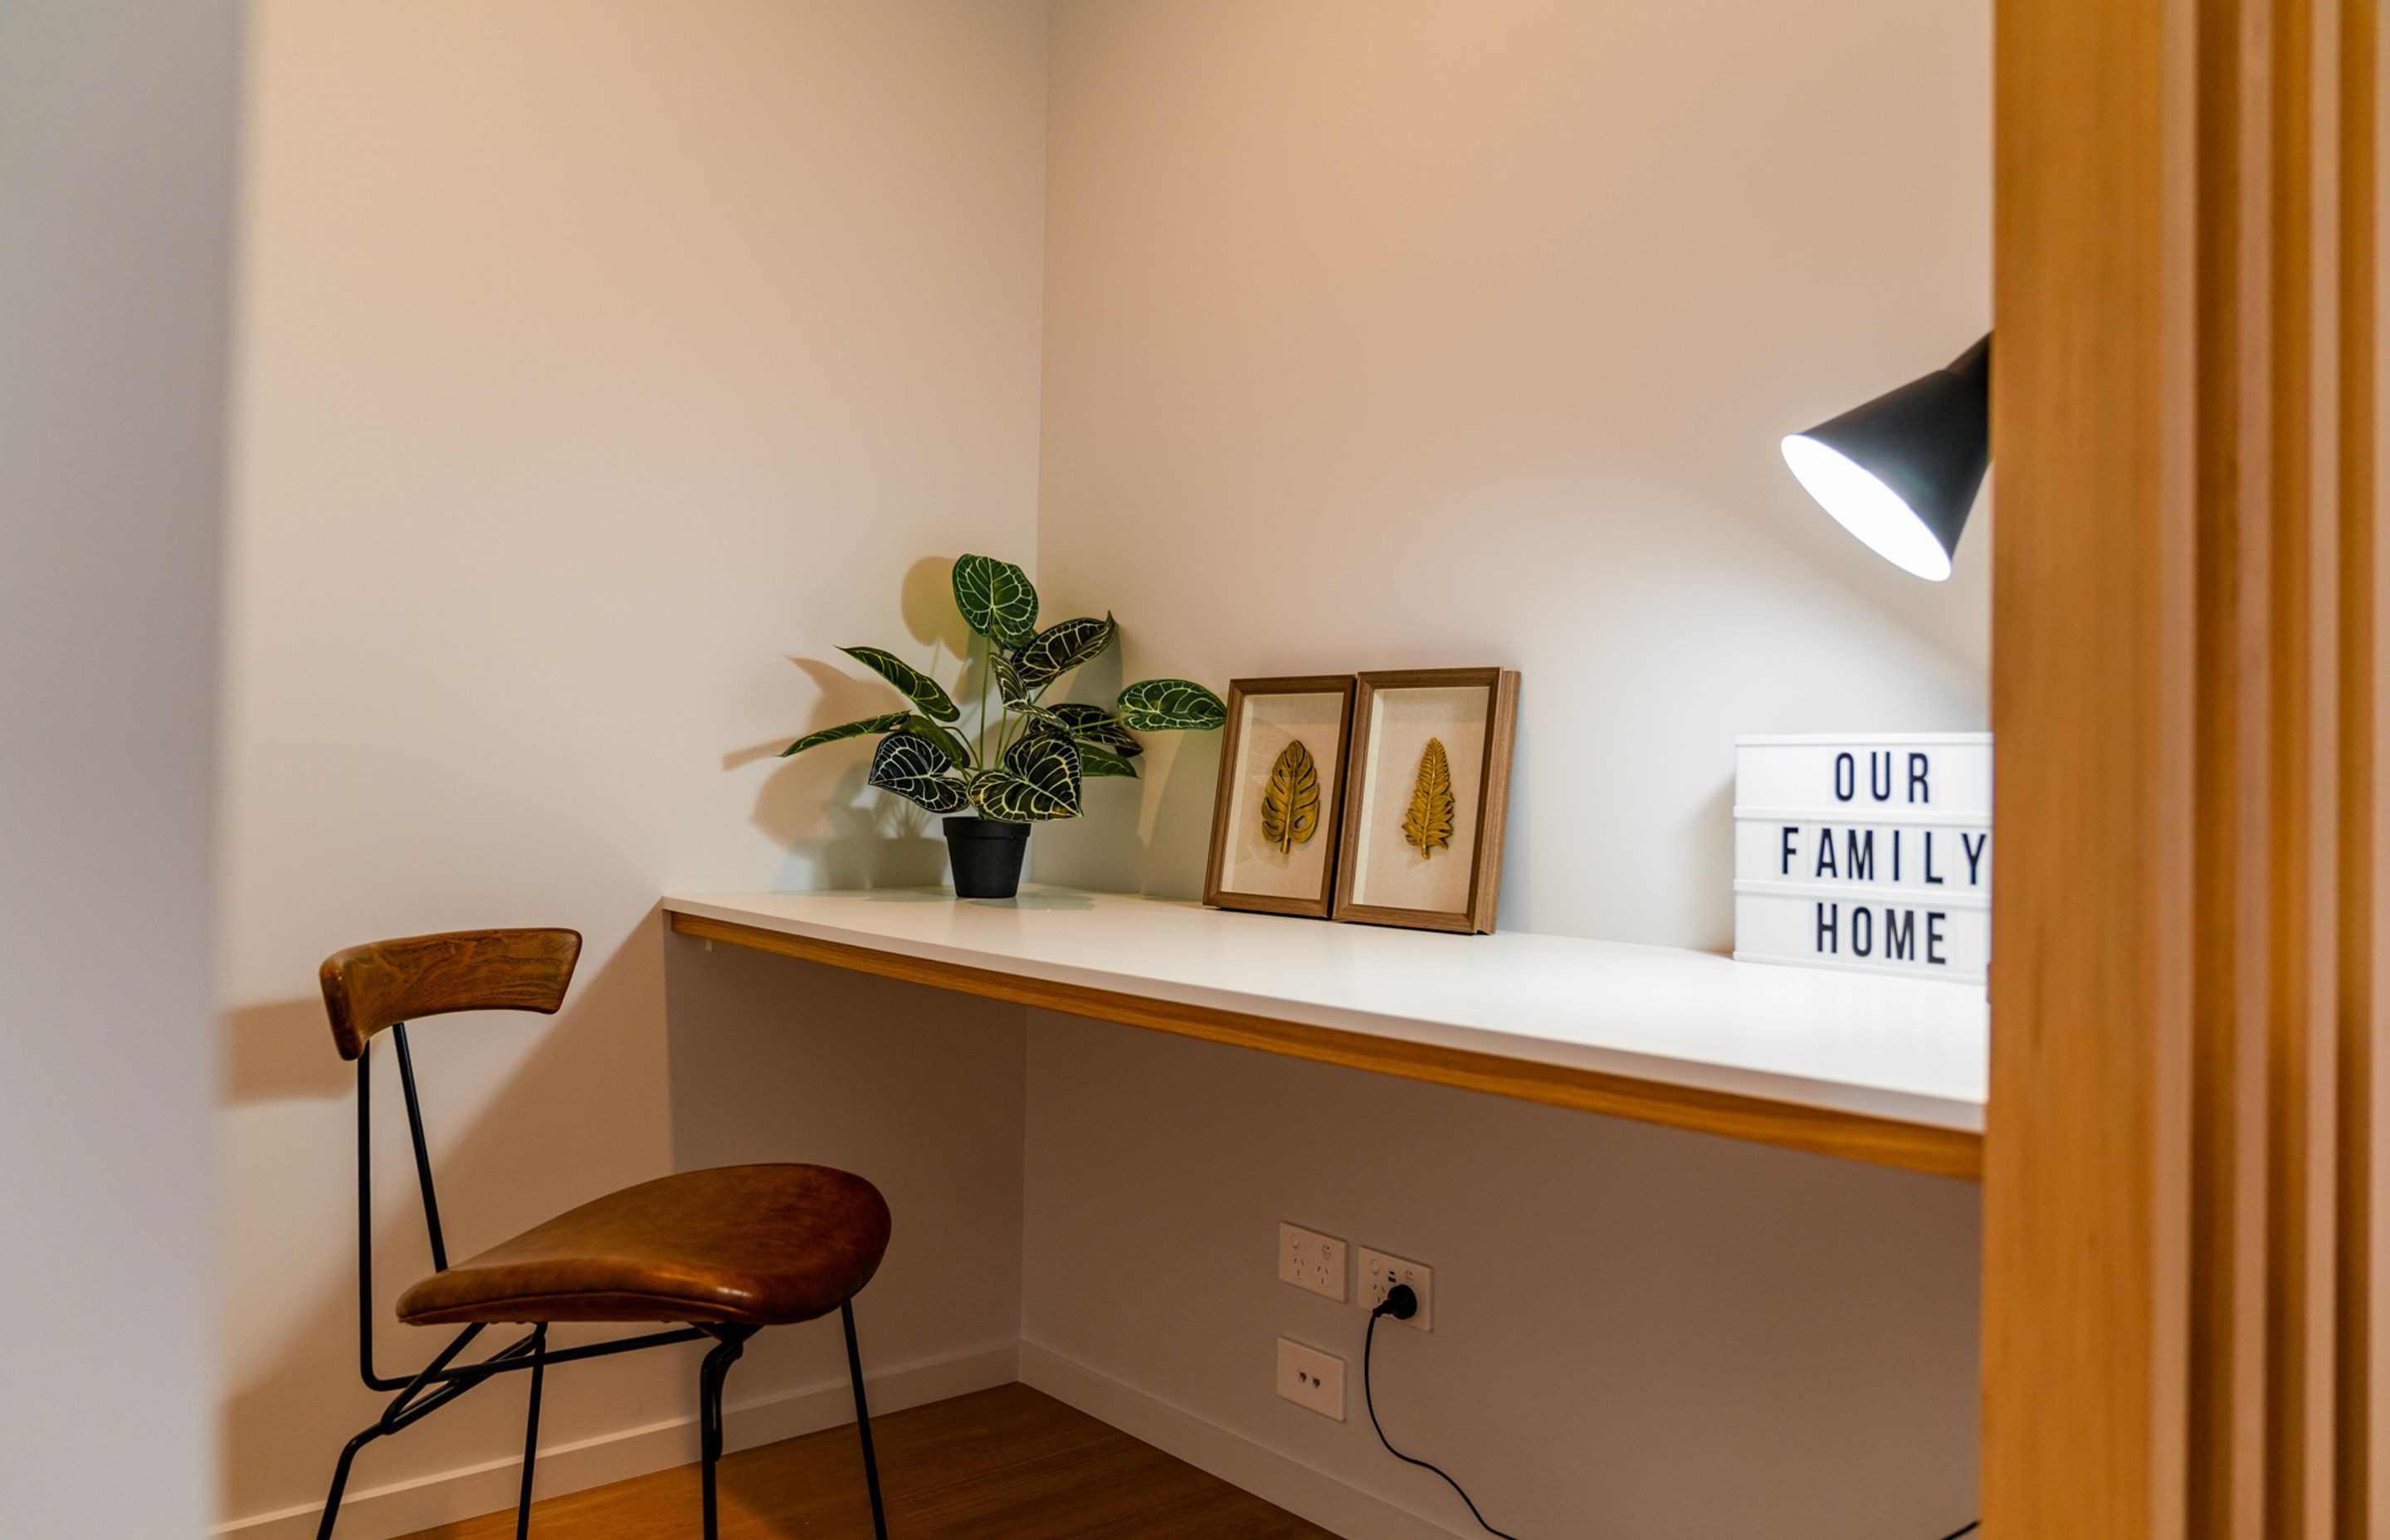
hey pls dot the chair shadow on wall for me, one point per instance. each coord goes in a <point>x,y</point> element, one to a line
<point>586,1111</point>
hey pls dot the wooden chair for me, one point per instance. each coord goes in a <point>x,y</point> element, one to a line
<point>721,1254</point>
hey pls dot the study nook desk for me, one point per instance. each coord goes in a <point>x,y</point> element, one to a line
<point>1884,1070</point>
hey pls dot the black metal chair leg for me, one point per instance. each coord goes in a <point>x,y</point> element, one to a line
<point>411,1405</point>
<point>711,1377</point>
<point>341,1478</point>
<point>863,1422</point>
<point>531,1431</point>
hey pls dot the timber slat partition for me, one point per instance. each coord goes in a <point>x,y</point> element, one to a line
<point>2180,1191</point>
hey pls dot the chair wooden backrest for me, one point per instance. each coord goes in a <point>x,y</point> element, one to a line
<point>382,986</point>
<point>378,985</point>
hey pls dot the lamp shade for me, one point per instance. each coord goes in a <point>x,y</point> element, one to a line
<point>1902,471</point>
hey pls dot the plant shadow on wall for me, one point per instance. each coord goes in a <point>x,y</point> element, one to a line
<point>817,809</point>
<point>1023,753</point>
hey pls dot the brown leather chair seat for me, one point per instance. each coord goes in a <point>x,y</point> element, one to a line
<point>761,1245</point>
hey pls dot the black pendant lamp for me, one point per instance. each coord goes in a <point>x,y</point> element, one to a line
<point>1902,471</point>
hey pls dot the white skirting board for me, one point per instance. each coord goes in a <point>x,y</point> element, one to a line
<point>1298,1488</point>
<point>377,1513</point>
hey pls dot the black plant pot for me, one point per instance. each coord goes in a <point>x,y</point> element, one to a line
<point>986,855</point>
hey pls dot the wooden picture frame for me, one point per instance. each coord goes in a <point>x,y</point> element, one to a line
<point>1243,871</point>
<point>1476,791</point>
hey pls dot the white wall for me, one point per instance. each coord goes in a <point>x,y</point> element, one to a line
<point>1638,1332</point>
<point>118,128</point>
<point>1394,335</point>
<point>1415,334</point>
<point>602,364</point>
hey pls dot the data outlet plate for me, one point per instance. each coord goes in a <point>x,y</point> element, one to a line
<point>1312,1379</point>
<point>1309,1260</point>
<point>1379,1273</point>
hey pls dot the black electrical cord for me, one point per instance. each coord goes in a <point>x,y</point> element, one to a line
<point>1402,1304</point>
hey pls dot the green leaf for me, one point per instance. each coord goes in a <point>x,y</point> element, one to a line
<point>919,687</point>
<point>888,724</point>
<point>1103,761</point>
<point>1001,795</point>
<point>1063,647</point>
<point>996,598</point>
<point>953,747</point>
<point>1042,719</point>
<point>1094,725</point>
<point>1048,760</point>
<point>1164,705</point>
<point>1009,683</point>
<point>915,769</point>
<point>1017,697</point>
<point>1040,781</point>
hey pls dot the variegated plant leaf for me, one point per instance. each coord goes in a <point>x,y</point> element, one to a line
<point>1009,683</point>
<point>997,600</point>
<point>919,687</point>
<point>916,770</point>
<point>1018,700</point>
<point>1062,647</point>
<point>1094,725</point>
<point>869,724</point>
<point>1005,797</point>
<point>1043,719</point>
<point>1164,705</point>
<point>948,742</point>
<point>1049,758</point>
<point>1094,761</point>
<point>1039,781</point>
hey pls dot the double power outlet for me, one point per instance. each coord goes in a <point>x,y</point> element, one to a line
<point>1309,1260</point>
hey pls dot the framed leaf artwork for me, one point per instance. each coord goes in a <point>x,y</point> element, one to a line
<point>1276,820</point>
<point>1426,792</point>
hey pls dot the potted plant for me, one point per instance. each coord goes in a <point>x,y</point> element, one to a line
<point>1027,761</point>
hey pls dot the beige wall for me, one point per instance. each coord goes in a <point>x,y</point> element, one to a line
<point>1388,335</point>
<point>118,133</point>
<point>1638,1332</point>
<point>601,364</point>
<point>601,361</point>
<point>1423,333</point>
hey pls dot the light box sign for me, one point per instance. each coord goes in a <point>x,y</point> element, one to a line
<point>1870,851</point>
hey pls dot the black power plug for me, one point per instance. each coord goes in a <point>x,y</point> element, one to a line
<point>1399,1302</point>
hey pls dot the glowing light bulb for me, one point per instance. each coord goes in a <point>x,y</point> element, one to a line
<point>1867,508</point>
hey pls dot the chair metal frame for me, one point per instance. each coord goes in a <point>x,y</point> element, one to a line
<point>443,1380</point>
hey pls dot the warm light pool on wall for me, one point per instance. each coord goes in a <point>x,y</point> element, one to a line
<point>1902,471</point>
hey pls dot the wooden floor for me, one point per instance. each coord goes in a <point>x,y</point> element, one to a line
<point>1007,1464</point>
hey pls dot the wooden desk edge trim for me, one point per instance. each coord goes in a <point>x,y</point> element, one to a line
<point>1820,1131</point>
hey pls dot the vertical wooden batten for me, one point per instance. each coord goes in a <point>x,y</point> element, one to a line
<point>2092,630</point>
<point>2180,1177</point>
<point>2358,1014</point>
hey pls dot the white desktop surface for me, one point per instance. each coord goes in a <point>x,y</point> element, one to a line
<point>1902,1052</point>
